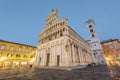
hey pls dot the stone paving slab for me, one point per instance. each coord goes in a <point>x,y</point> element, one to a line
<point>88,73</point>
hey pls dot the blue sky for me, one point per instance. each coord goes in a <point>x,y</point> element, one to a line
<point>22,20</point>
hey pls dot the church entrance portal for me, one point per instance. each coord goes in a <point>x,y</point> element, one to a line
<point>58,60</point>
<point>48,60</point>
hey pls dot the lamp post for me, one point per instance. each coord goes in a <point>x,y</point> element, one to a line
<point>118,59</point>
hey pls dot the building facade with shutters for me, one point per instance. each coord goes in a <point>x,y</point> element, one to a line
<point>111,50</point>
<point>60,45</point>
<point>16,55</point>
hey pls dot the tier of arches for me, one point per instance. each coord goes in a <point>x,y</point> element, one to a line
<point>53,27</point>
<point>52,17</point>
<point>53,35</point>
<point>55,24</point>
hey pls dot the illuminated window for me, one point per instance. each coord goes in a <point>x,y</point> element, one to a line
<point>25,56</point>
<point>106,46</point>
<point>12,48</point>
<point>2,47</point>
<point>26,50</point>
<point>20,49</point>
<point>9,55</point>
<point>17,55</point>
<point>0,54</point>
<point>115,45</point>
<point>32,49</point>
<point>109,43</point>
<point>112,51</point>
<point>111,46</point>
<point>119,50</point>
<point>31,56</point>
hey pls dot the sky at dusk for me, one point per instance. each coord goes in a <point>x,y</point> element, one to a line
<point>22,20</point>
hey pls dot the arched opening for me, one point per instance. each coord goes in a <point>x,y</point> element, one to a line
<point>48,59</point>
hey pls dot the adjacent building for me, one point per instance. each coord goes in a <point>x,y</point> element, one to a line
<point>111,50</point>
<point>16,55</point>
<point>60,45</point>
<point>94,43</point>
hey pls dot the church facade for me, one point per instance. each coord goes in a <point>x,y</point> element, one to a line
<point>60,45</point>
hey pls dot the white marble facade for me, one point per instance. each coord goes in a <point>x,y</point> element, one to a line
<point>60,45</point>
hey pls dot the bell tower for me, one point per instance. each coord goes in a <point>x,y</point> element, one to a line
<point>98,56</point>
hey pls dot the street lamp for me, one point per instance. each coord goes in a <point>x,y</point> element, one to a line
<point>118,59</point>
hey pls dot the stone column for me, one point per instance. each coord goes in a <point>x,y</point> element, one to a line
<point>90,57</point>
<point>70,54</point>
<point>37,58</point>
<point>73,52</point>
<point>83,57</point>
<point>78,59</point>
<point>87,57</point>
<point>51,56</point>
<point>62,55</point>
<point>79,55</point>
<point>84,54</point>
<point>44,58</point>
<point>54,55</point>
